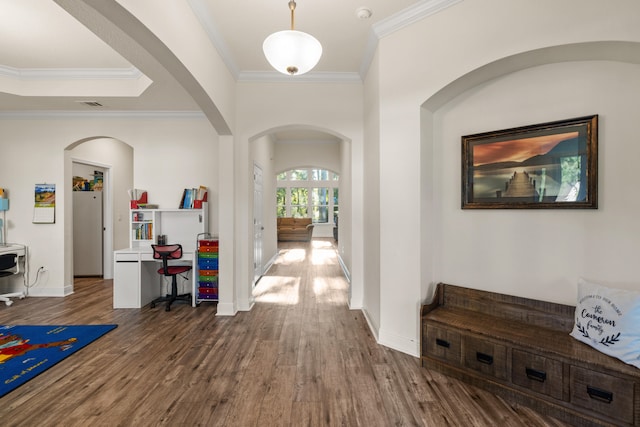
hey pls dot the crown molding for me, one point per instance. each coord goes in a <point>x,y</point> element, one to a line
<point>131,73</point>
<point>410,15</point>
<point>125,114</point>
<point>310,77</point>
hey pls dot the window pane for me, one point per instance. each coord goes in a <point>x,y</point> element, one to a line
<point>282,176</point>
<point>335,214</point>
<point>320,214</point>
<point>320,196</point>
<point>335,177</point>
<point>281,202</point>
<point>299,202</point>
<point>299,175</point>
<point>299,211</point>
<point>335,196</point>
<point>319,175</point>
<point>299,196</point>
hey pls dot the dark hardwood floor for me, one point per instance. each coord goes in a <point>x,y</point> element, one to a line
<point>300,357</point>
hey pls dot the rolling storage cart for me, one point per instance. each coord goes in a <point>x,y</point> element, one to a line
<point>208,268</point>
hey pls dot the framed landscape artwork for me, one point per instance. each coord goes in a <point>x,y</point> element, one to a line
<point>548,165</point>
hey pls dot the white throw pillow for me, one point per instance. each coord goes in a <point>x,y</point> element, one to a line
<point>609,320</point>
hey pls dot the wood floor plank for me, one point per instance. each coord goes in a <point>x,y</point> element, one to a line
<point>300,357</point>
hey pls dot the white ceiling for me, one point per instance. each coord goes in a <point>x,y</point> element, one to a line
<point>50,61</point>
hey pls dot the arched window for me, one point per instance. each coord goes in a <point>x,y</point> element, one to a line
<point>308,193</point>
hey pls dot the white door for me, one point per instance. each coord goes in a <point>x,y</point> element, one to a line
<point>87,233</point>
<point>257,223</point>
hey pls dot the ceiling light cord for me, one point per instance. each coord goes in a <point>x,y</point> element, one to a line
<point>292,6</point>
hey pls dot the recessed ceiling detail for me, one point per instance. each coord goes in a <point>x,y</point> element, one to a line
<point>127,82</point>
<point>55,52</point>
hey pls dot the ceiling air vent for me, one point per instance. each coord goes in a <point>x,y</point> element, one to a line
<point>90,103</point>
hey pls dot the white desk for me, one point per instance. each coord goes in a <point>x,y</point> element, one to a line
<point>136,281</point>
<point>21,252</point>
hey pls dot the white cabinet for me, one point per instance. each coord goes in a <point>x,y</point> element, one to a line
<point>126,280</point>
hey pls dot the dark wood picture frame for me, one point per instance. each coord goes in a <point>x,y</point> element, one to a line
<point>544,166</point>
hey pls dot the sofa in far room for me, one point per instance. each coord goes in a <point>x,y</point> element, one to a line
<point>294,229</point>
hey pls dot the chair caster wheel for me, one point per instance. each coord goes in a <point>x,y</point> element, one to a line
<point>167,308</point>
<point>153,305</point>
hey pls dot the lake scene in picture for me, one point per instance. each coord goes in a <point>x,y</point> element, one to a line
<point>547,168</point>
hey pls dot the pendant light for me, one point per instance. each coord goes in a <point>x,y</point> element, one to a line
<point>292,52</point>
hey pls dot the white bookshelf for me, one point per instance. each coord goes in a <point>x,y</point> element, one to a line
<point>179,225</point>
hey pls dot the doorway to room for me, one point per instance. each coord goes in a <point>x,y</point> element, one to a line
<point>88,219</point>
<point>115,158</point>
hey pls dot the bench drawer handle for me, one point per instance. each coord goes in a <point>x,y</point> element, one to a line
<point>534,374</point>
<point>484,358</point>
<point>442,343</point>
<point>599,394</point>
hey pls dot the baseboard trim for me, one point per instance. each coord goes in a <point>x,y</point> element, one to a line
<point>396,342</point>
<point>400,343</point>
<point>345,270</point>
<point>226,309</point>
<point>49,292</point>
<point>372,326</point>
<point>269,264</point>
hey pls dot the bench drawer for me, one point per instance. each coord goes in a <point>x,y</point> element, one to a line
<point>484,356</point>
<point>537,373</point>
<point>602,393</point>
<point>442,343</point>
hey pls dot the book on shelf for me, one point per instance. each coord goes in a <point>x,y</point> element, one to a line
<point>143,231</point>
<point>192,198</point>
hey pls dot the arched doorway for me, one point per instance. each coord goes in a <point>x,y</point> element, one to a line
<point>116,159</point>
<point>288,147</point>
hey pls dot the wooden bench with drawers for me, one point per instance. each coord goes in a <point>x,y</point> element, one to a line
<point>521,349</point>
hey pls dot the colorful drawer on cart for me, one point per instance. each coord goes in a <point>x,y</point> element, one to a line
<point>208,269</point>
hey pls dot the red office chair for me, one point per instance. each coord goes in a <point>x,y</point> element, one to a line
<point>166,253</point>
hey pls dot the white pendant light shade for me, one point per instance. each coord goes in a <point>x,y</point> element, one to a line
<point>292,52</point>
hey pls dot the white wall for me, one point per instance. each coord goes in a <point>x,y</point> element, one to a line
<point>452,46</point>
<point>325,155</point>
<point>169,155</point>
<point>263,155</point>
<point>541,253</point>
<point>345,212</point>
<point>370,297</point>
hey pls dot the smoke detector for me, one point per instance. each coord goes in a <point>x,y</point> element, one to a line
<point>363,13</point>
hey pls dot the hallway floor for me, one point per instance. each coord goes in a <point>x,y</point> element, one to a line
<point>300,357</point>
